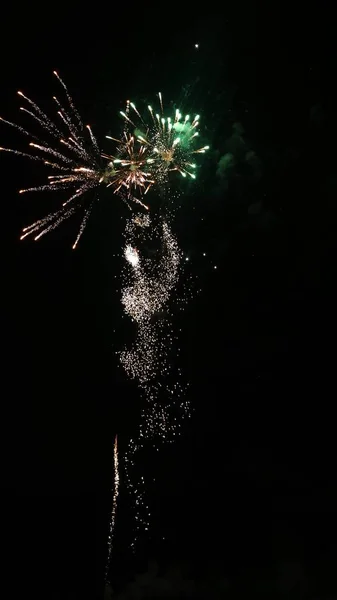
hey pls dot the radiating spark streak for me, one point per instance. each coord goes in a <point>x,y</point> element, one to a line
<point>57,182</point>
<point>66,118</point>
<point>83,224</point>
<point>137,113</point>
<point>161,102</point>
<point>25,154</point>
<point>54,131</point>
<point>44,117</point>
<point>112,138</point>
<point>86,170</point>
<point>55,166</point>
<point>93,139</point>
<point>70,100</point>
<point>75,149</point>
<point>42,222</point>
<point>21,129</point>
<point>22,237</point>
<point>135,109</point>
<point>76,143</point>
<point>137,201</point>
<point>58,216</point>
<point>78,193</point>
<point>72,130</point>
<point>39,188</point>
<point>52,152</point>
<point>62,218</point>
<point>124,115</point>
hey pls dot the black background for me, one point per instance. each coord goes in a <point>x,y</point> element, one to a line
<point>252,479</point>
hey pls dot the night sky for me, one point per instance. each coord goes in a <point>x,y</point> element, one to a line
<point>251,483</point>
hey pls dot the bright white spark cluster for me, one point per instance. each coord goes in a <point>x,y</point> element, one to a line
<point>152,281</point>
<point>131,255</point>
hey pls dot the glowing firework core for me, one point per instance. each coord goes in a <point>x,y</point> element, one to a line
<point>131,255</point>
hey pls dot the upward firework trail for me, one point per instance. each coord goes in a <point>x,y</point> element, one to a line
<point>114,506</point>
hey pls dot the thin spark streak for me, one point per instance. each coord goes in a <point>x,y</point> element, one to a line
<point>70,100</point>
<point>19,128</point>
<point>25,154</point>
<point>115,493</point>
<point>83,225</point>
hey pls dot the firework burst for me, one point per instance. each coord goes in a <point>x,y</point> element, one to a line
<point>71,151</point>
<point>128,170</point>
<point>170,141</point>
